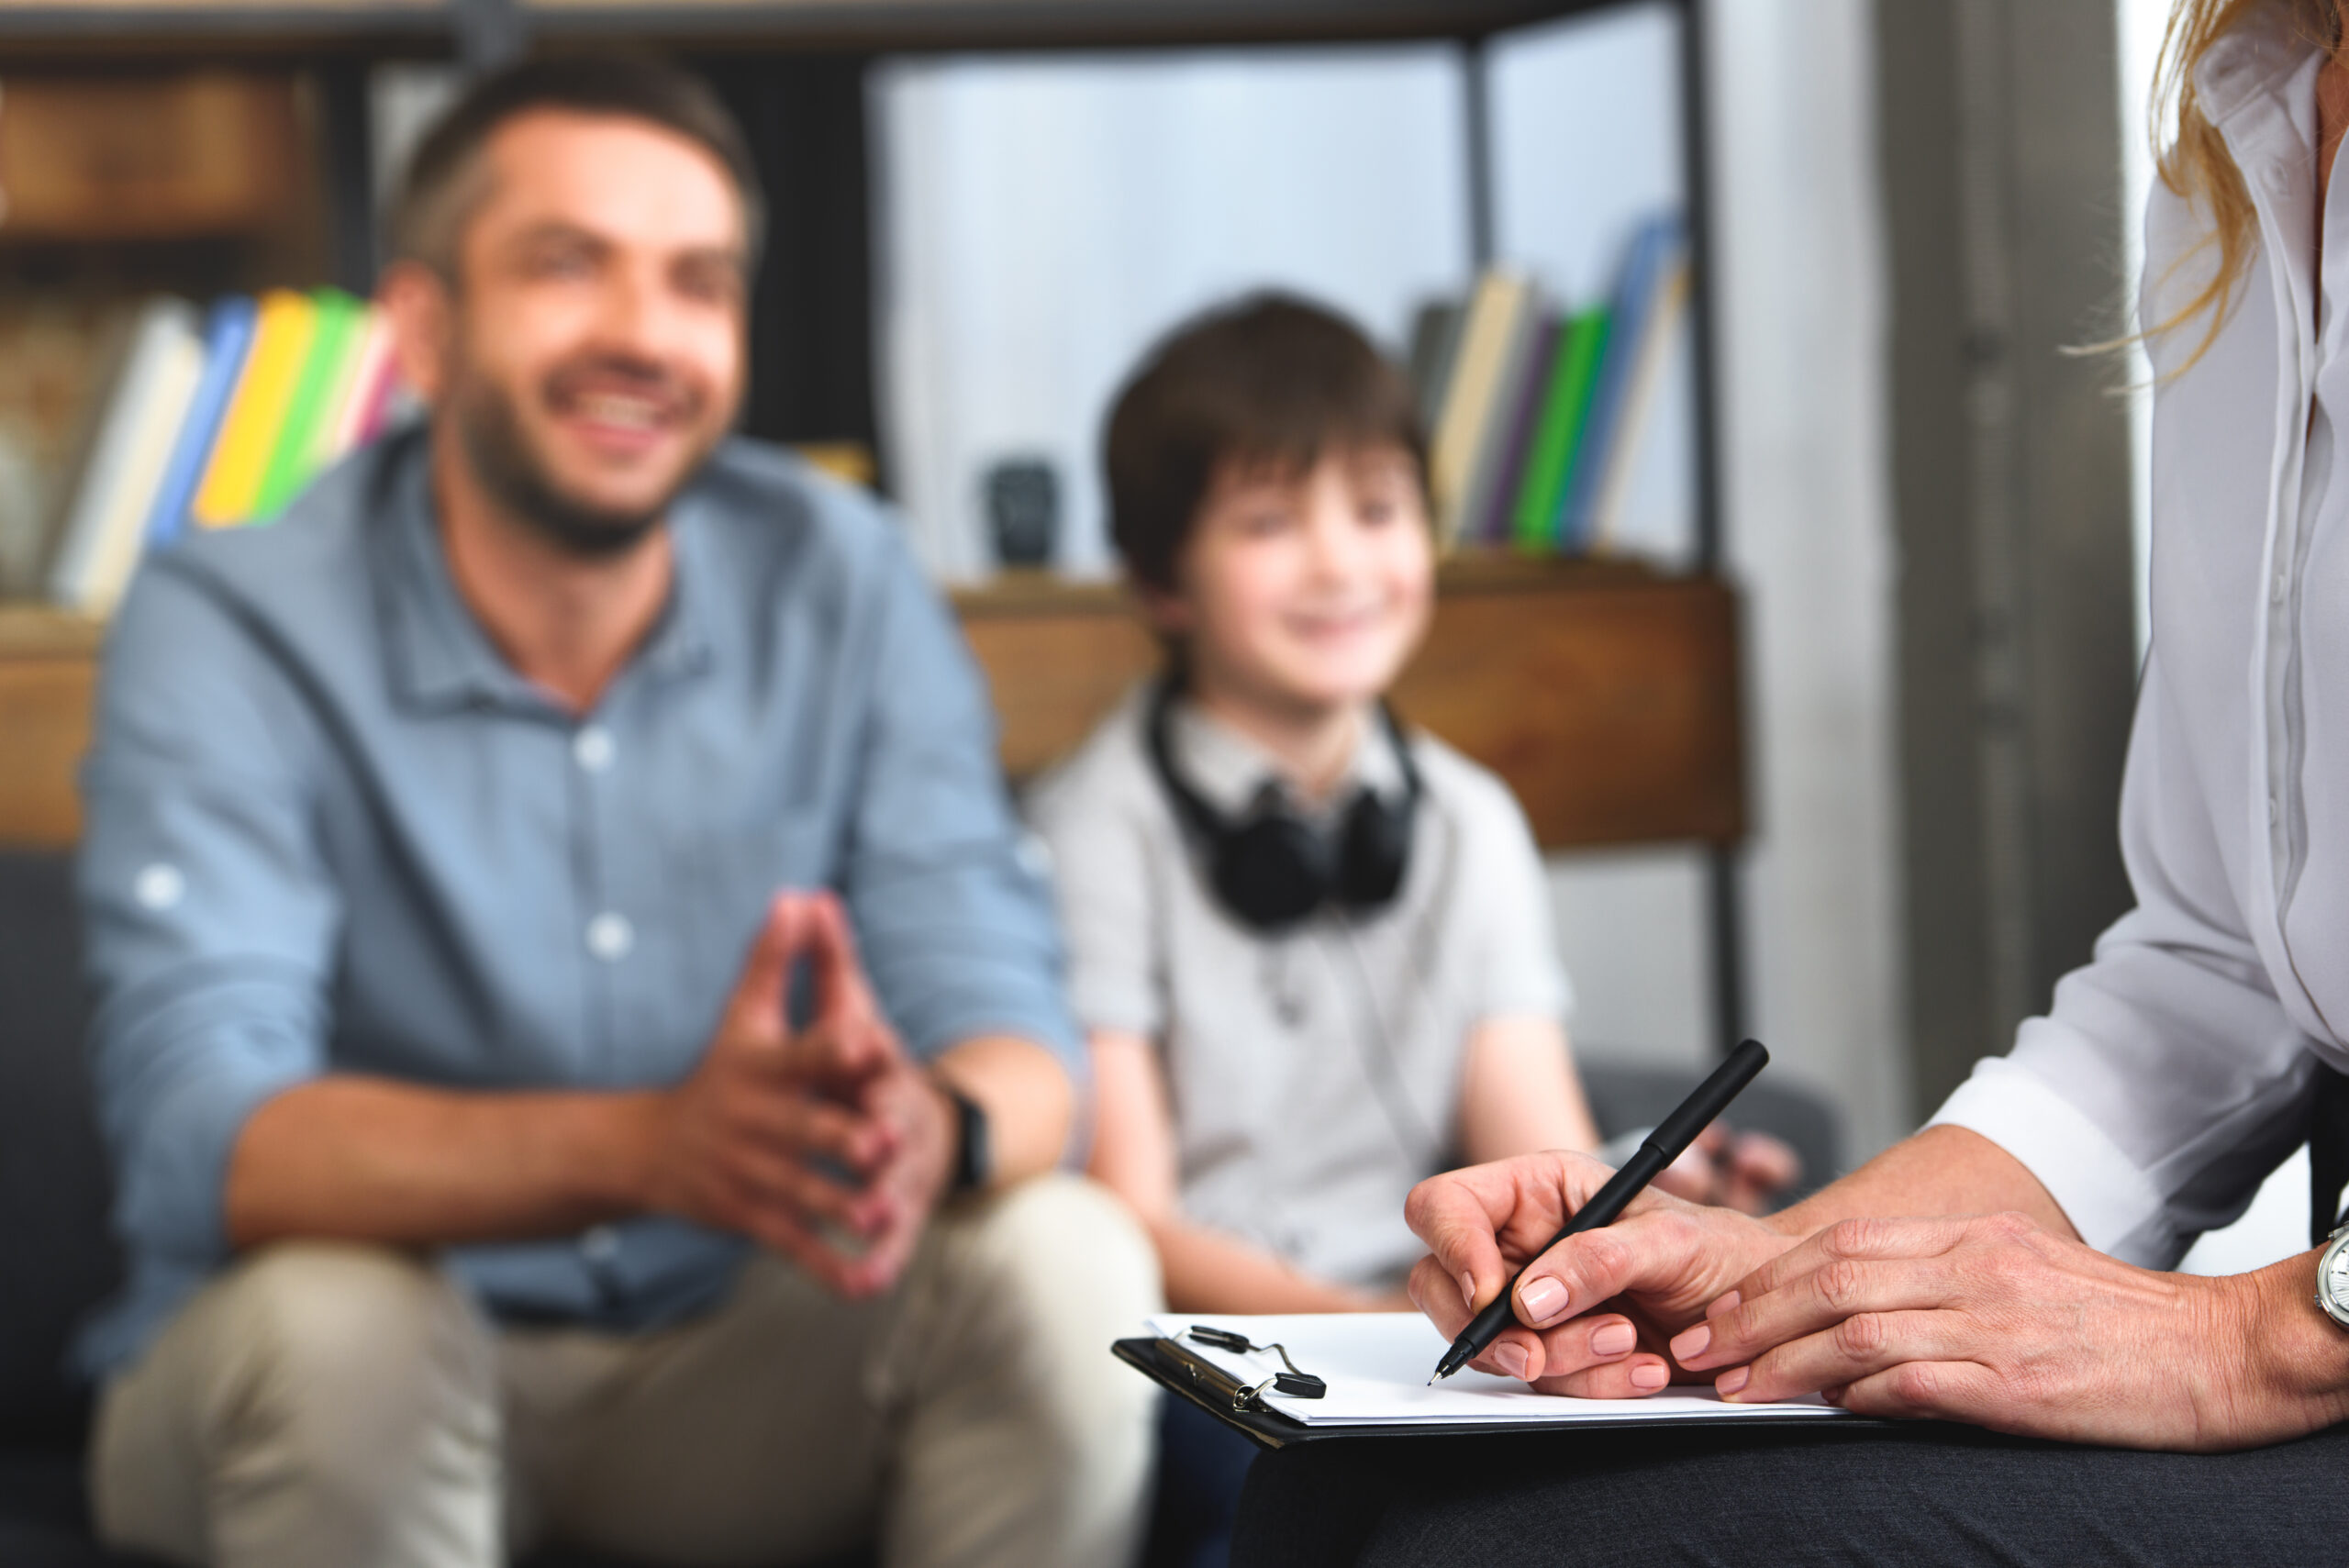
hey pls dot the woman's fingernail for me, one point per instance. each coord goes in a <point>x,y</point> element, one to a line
<point>1510,1359</point>
<point>1541,1300</point>
<point>1613,1339</point>
<point>1468,1290</point>
<point>1727,1302</point>
<point>1690,1342</point>
<point>1651,1376</point>
<point>1732,1380</point>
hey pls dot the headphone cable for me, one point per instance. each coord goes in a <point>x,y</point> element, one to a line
<point>1381,1067</point>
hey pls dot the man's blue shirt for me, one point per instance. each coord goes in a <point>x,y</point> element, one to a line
<point>331,831</point>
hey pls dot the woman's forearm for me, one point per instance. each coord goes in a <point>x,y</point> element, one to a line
<point>1941,1171</point>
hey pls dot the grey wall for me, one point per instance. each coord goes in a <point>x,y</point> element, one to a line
<point>1999,155</point>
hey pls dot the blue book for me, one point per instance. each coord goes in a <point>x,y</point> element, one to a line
<point>1653,249</point>
<point>227,335</point>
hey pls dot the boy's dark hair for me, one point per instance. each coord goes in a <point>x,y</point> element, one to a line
<point>1271,379</point>
<point>443,180</point>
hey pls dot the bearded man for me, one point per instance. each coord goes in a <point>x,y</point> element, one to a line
<point>485,868</point>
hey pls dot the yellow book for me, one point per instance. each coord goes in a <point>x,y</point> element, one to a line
<point>257,409</point>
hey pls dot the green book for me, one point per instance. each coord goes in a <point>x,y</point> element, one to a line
<point>1549,460</point>
<point>337,338</point>
<point>1601,325</point>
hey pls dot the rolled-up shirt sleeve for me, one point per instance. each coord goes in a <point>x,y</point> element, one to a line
<point>952,914</point>
<point>209,919</point>
<point>2166,1080</point>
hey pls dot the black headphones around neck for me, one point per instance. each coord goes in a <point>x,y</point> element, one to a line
<point>1274,870</point>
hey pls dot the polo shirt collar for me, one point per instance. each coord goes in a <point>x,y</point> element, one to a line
<point>438,655</point>
<point>1234,773</point>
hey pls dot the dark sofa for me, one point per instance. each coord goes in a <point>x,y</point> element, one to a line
<point>57,1260</point>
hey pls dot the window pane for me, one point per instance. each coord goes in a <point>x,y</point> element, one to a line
<point>1044,218</point>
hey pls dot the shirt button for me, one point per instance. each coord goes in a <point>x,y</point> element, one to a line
<point>609,936</point>
<point>2283,582</point>
<point>2273,811</point>
<point>592,747</point>
<point>600,1245</point>
<point>159,886</point>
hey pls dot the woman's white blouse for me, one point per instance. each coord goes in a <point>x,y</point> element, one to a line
<point>2174,1070</point>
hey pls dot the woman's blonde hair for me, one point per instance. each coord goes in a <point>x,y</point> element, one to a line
<point>2192,156</point>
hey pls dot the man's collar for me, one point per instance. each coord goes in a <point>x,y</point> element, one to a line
<point>439,654</point>
<point>1231,773</point>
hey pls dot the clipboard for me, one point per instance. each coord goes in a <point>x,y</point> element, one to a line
<point>1187,1375</point>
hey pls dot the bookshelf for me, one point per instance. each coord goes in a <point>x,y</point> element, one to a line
<point>1608,696</point>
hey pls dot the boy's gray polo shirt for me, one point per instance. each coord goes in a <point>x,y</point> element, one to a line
<point>330,830</point>
<point>1315,1076</point>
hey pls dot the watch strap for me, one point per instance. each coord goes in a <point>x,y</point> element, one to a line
<point>973,1158</point>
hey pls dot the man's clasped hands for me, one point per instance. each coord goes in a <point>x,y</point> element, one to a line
<point>825,1141</point>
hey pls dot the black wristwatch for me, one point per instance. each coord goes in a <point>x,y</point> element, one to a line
<point>973,1156</point>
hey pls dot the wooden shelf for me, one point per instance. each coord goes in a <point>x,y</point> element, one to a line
<point>48,676</point>
<point>1606,695</point>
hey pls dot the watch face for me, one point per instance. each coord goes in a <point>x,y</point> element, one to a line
<point>2333,1280</point>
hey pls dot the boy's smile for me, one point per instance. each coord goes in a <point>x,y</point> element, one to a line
<point>1302,593</point>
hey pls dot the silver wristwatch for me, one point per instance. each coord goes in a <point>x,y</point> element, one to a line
<point>2332,1276</point>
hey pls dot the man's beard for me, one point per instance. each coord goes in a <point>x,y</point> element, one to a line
<point>500,456</point>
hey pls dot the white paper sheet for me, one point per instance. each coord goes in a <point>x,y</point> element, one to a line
<point>1376,1365</point>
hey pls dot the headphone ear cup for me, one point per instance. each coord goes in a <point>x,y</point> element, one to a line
<point>1375,853</point>
<point>1273,873</point>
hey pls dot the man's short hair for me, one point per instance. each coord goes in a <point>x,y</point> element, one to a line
<point>1269,379</point>
<point>443,180</point>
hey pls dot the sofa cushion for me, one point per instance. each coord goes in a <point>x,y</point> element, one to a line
<point>57,1260</point>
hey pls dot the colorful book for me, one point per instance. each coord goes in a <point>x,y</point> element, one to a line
<point>357,409</point>
<point>1497,514</point>
<point>1542,492</point>
<point>144,408</point>
<point>1653,248</point>
<point>232,480</point>
<point>333,338</point>
<point>375,389</point>
<point>109,354</point>
<point>1489,472</point>
<point>1481,363</point>
<point>1659,344</point>
<point>228,334</point>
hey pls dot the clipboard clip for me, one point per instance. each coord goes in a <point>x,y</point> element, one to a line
<point>1296,1382</point>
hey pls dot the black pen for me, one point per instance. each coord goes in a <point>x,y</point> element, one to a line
<point>1656,1150</point>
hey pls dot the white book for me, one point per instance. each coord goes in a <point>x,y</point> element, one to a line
<point>106,525</point>
<point>1376,1366</point>
<point>1659,341</point>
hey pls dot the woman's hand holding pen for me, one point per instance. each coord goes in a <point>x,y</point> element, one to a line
<point>1605,1301</point>
<point>1991,1319</point>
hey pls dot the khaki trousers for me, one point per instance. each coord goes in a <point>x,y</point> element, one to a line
<point>341,1406</point>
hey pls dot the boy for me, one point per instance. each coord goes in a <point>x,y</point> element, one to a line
<point>1312,953</point>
